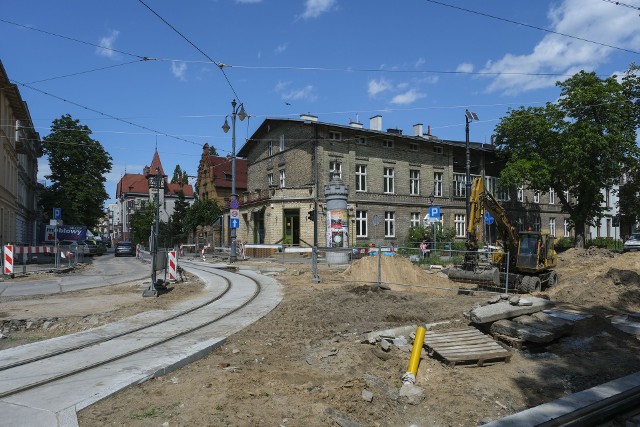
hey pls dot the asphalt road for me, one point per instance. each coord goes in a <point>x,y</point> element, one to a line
<point>102,270</point>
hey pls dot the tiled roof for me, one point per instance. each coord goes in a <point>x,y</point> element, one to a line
<point>156,163</point>
<point>132,183</point>
<point>219,169</point>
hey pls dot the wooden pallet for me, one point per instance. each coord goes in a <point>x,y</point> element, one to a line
<point>467,345</point>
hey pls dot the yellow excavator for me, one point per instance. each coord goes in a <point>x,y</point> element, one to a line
<point>531,258</point>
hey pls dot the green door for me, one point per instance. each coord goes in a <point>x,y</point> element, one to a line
<point>291,227</point>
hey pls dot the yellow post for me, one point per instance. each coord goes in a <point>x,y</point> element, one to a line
<point>414,361</point>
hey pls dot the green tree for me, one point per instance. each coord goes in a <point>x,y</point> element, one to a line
<point>201,212</point>
<point>78,166</point>
<point>177,230</point>
<point>629,196</point>
<point>581,144</point>
<point>179,176</point>
<point>141,222</point>
<point>213,151</point>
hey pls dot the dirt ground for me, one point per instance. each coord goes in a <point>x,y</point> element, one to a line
<point>307,362</point>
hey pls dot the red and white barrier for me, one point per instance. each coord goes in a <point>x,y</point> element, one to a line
<point>8,259</point>
<point>34,250</point>
<point>173,265</point>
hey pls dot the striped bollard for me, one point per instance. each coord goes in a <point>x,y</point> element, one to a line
<point>8,259</point>
<point>173,264</point>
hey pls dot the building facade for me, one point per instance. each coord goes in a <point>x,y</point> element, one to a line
<point>20,148</point>
<point>393,180</point>
<point>133,190</point>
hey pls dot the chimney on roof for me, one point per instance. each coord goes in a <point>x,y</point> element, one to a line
<point>417,129</point>
<point>429,130</point>
<point>356,125</point>
<point>395,131</point>
<point>375,122</point>
<point>308,117</point>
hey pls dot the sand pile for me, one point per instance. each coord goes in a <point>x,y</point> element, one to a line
<point>400,274</point>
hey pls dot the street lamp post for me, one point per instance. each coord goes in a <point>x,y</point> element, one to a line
<point>469,117</point>
<point>236,110</point>
<point>151,290</point>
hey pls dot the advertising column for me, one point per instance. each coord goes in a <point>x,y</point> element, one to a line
<point>337,221</point>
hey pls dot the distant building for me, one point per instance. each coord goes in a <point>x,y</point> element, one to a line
<point>214,183</point>
<point>20,148</point>
<point>134,189</point>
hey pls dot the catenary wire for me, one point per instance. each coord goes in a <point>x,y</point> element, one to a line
<point>619,3</point>
<point>532,26</point>
<point>89,71</point>
<point>196,47</point>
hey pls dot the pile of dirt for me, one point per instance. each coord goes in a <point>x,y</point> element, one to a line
<point>598,279</point>
<point>399,273</point>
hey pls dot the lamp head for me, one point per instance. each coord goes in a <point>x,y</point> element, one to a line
<point>225,126</point>
<point>242,114</point>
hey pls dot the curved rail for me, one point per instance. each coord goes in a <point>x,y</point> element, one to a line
<point>211,270</point>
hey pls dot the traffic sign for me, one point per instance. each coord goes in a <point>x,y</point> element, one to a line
<point>234,213</point>
<point>234,223</point>
<point>57,213</point>
<point>434,211</point>
<point>488,218</point>
<point>234,204</point>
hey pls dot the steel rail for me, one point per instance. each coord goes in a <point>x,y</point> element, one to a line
<point>145,347</point>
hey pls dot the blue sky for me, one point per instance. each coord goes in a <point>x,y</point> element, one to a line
<point>416,61</point>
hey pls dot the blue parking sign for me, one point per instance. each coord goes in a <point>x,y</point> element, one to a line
<point>434,211</point>
<point>57,213</point>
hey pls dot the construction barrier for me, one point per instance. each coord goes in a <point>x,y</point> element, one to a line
<point>173,265</point>
<point>8,259</point>
<point>34,250</point>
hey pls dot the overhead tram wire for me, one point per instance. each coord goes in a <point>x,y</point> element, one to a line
<point>145,58</point>
<point>88,71</point>
<point>218,64</point>
<point>531,26</point>
<point>619,3</point>
<point>93,110</point>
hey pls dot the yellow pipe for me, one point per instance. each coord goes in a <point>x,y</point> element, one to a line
<point>414,361</point>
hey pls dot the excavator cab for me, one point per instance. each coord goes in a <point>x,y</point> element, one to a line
<point>535,252</point>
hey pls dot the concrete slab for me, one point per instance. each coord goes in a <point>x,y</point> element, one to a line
<point>504,310</point>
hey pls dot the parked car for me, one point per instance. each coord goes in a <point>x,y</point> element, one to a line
<point>81,246</point>
<point>125,249</point>
<point>632,243</point>
<point>92,247</point>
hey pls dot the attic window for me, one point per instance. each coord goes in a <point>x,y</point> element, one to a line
<point>227,176</point>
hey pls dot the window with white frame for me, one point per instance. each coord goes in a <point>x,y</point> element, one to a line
<point>460,224</point>
<point>566,195</point>
<point>566,228</point>
<point>335,168</point>
<point>490,184</point>
<point>413,146</point>
<point>536,224</point>
<point>282,178</point>
<point>361,177</point>
<point>361,140</point>
<point>520,196</point>
<point>387,143</point>
<point>270,148</point>
<point>389,224</point>
<point>270,179</point>
<point>459,185</point>
<point>388,177</point>
<point>552,226</point>
<point>414,182</point>
<point>415,219</point>
<point>536,197</point>
<point>361,223</point>
<point>437,184</point>
<point>281,142</point>
<point>335,136</point>
<point>502,191</point>
<point>552,196</point>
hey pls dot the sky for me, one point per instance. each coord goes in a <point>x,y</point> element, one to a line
<point>143,74</point>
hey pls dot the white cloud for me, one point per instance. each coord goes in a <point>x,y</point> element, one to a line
<point>315,8</point>
<point>295,94</point>
<point>408,97</point>
<point>281,86</point>
<point>43,169</point>
<point>178,68</point>
<point>588,19</point>
<point>281,48</point>
<point>107,43</point>
<point>465,67</point>
<point>420,62</point>
<point>378,86</point>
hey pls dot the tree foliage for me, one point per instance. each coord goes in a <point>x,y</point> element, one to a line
<point>213,151</point>
<point>78,166</point>
<point>179,176</point>
<point>580,144</point>
<point>201,212</point>
<point>177,229</point>
<point>141,222</point>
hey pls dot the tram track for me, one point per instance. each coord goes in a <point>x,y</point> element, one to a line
<point>15,372</point>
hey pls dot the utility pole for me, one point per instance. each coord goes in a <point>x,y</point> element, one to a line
<point>152,291</point>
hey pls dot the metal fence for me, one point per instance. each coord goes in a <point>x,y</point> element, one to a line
<point>42,258</point>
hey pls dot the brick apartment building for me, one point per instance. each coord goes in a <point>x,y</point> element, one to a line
<point>393,179</point>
